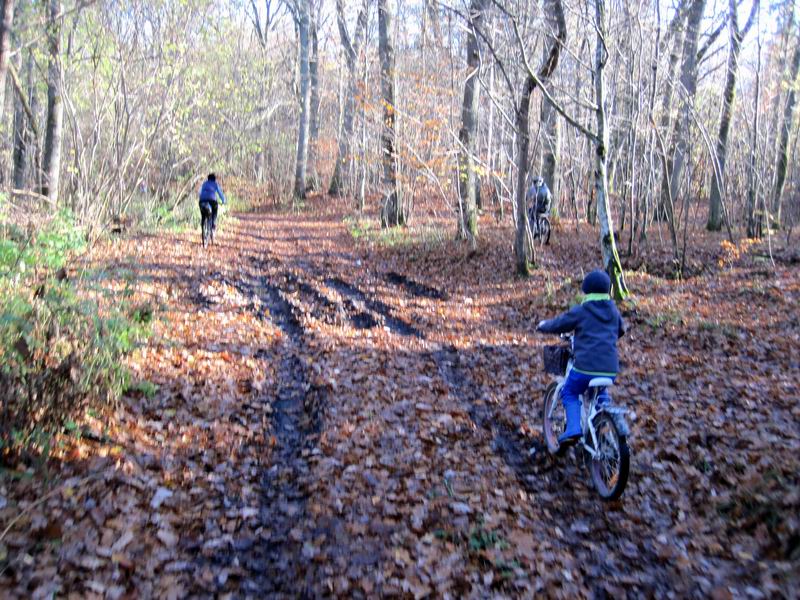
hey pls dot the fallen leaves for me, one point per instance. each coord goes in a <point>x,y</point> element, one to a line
<point>416,484</point>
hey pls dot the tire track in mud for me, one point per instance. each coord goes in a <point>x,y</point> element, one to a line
<point>415,288</point>
<point>360,299</point>
<point>506,442</point>
<point>273,563</point>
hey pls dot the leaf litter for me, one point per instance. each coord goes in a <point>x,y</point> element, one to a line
<point>292,446</point>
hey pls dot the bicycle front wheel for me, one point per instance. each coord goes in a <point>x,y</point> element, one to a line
<point>554,419</point>
<point>610,465</point>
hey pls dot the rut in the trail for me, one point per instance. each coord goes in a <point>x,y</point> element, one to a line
<point>415,288</point>
<point>508,443</point>
<point>384,312</point>
<point>274,564</point>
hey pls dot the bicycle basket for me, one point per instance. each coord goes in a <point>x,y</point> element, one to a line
<point>555,359</point>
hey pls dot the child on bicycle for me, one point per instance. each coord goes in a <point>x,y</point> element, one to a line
<point>597,325</point>
<point>208,200</point>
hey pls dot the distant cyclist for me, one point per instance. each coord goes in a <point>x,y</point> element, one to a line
<point>208,201</point>
<point>539,198</point>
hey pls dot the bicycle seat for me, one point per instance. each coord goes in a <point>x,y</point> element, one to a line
<point>601,382</point>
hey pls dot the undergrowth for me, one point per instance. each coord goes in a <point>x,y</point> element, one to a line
<point>60,355</point>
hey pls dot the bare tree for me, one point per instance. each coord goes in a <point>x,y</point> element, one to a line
<point>51,161</point>
<point>351,51</point>
<point>554,11</point>
<point>718,175</point>
<point>6,20</point>
<point>302,16</point>
<point>314,82</point>
<point>467,179</point>
<point>392,213</point>
<point>783,144</point>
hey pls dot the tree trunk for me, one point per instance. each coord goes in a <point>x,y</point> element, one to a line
<point>351,51</point>
<point>611,261</point>
<point>753,224</point>
<point>51,161</point>
<point>6,20</point>
<point>688,84</point>
<point>554,12</point>
<point>313,67</point>
<point>783,144</point>
<point>729,97</point>
<point>392,210</point>
<point>550,151</point>
<point>467,184</point>
<point>22,137</point>
<point>524,251</point>
<point>301,160</point>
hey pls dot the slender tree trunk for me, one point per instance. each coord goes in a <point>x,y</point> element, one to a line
<point>313,67</point>
<point>351,51</point>
<point>392,210</point>
<point>301,161</point>
<point>753,224</point>
<point>523,247</point>
<point>611,261</point>
<point>21,137</point>
<point>729,97</point>
<point>51,161</point>
<point>688,84</point>
<point>554,11</point>
<point>677,31</point>
<point>467,179</point>
<point>783,144</point>
<point>551,158</point>
<point>6,20</point>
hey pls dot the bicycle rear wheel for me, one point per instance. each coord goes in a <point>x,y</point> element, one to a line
<point>544,230</point>
<point>554,419</point>
<point>610,467</point>
<point>205,230</point>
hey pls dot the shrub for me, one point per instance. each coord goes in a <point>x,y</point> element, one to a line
<point>59,359</point>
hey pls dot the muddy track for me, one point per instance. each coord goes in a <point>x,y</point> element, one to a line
<point>415,288</point>
<point>508,443</point>
<point>375,309</point>
<point>273,564</point>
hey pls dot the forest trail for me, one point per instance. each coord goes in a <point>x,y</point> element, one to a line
<point>360,420</point>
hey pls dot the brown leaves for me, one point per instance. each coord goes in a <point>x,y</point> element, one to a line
<point>416,484</point>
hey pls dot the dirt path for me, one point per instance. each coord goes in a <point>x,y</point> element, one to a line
<point>358,421</point>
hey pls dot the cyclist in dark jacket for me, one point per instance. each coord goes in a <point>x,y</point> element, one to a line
<point>208,199</point>
<point>539,197</point>
<point>597,325</point>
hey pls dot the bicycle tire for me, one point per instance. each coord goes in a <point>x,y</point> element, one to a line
<point>609,482</point>
<point>553,419</point>
<point>544,230</point>
<point>206,231</point>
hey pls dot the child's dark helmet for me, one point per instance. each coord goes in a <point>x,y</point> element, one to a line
<point>596,282</point>
<point>212,177</point>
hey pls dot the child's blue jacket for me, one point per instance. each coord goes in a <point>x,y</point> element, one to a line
<point>597,325</point>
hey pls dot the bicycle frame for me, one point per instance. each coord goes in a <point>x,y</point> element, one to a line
<point>589,407</point>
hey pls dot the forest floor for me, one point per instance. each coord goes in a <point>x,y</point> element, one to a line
<point>339,411</point>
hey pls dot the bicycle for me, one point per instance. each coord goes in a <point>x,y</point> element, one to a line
<point>206,224</point>
<point>605,432</point>
<point>540,226</point>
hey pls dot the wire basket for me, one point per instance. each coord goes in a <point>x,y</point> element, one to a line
<point>555,359</point>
